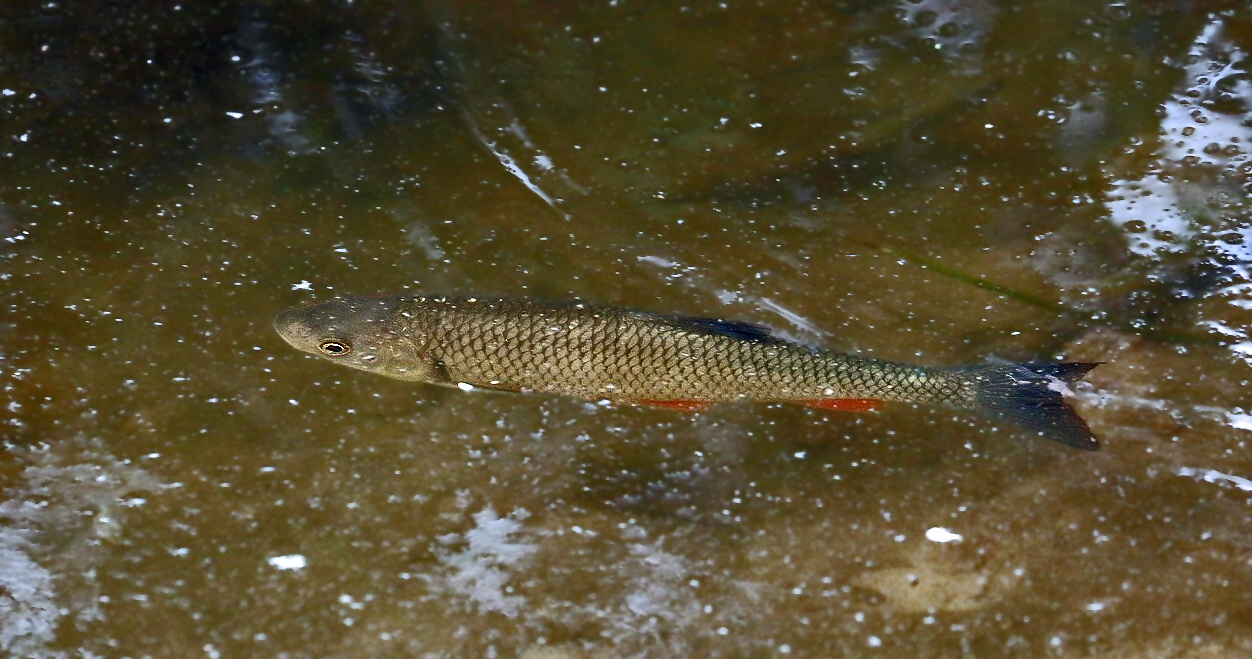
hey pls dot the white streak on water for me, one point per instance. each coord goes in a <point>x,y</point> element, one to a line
<point>510,164</point>
<point>511,167</point>
<point>657,261</point>
<point>689,276</point>
<point>1240,421</point>
<point>1242,348</point>
<point>1222,328</point>
<point>542,160</point>
<point>1109,399</point>
<point>1213,476</point>
<point>790,316</point>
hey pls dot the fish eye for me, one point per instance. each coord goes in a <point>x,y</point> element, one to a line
<point>334,348</point>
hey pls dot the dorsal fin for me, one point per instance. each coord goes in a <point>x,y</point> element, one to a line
<point>716,327</point>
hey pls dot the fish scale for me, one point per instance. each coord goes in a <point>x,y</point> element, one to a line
<point>632,357</point>
<point>628,356</point>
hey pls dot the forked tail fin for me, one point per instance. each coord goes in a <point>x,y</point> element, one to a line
<point>1032,396</point>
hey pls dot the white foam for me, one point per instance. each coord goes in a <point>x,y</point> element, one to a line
<point>940,534</point>
<point>289,562</point>
<point>481,571</point>
<point>1059,386</point>
<point>1239,421</point>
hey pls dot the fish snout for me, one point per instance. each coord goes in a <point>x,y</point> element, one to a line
<point>291,326</point>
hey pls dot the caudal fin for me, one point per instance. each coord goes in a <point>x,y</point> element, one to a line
<point>1032,396</point>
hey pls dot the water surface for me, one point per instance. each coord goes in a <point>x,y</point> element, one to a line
<point>937,182</point>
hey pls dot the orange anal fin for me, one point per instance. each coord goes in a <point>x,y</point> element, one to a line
<point>844,404</point>
<point>677,405</point>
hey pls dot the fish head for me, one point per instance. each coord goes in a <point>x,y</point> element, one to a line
<point>361,333</point>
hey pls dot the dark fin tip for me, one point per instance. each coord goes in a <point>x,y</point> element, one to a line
<point>1028,395</point>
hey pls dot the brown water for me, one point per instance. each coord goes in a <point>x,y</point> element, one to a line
<point>939,182</point>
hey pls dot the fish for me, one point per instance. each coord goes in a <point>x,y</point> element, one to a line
<point>683,363</point>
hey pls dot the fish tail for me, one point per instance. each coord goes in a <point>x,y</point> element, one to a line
<point>1031,396</point>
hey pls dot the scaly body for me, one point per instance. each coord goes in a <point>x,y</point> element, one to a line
<point>630,357</point>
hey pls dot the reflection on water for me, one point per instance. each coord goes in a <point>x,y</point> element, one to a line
<point>1197,160</point>
<point>59,521</point>
<point>933,182</point>
<point>1188,212</point>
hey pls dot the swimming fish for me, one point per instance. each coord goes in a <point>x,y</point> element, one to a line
<point>677,362</point>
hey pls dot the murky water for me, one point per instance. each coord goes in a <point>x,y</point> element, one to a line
<point>938,182</point>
